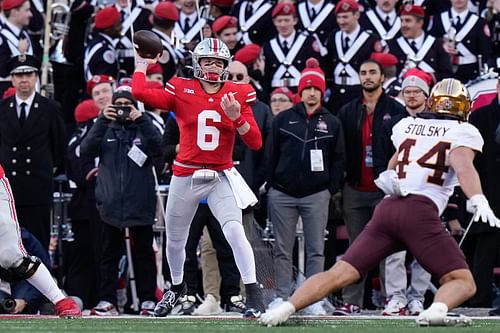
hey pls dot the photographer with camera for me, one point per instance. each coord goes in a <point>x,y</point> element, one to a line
<point>126,142</point>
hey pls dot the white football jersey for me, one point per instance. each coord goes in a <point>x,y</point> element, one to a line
<point>424,146</point>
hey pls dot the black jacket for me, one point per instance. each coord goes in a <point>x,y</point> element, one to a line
<point>125,192</point>
<point>82,170</point>
<point>251,163</point>
<point>293,137</point>
<point>30,153</point>
<point>351,115</point>
<point>487,163</point>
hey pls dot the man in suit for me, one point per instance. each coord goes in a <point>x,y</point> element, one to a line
<point>32,144</point>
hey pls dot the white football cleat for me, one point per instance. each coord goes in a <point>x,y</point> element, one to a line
<point>439,319</point>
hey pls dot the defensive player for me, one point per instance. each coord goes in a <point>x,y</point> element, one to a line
<point>16,264</point>
<point>209,111</point>
<point>432,154</point>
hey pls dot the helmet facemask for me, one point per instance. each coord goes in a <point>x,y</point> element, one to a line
<point>214,49</point>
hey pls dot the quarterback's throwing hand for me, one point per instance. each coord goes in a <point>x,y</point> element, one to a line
<point>230,106</point>
<point>479,206</point>
<point>278,315</point>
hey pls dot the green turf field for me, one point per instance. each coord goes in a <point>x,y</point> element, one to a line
<point>223,325</point>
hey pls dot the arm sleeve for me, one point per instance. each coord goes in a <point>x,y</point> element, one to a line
<point>161,99</point>
<point>252,138</point>
<point>91,144</point>
<point>58,136</point>
<point>170,140</point>
<point>337,161</point>
<point>385,149</point>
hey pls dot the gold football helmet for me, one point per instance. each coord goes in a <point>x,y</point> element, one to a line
<point>450,97</point>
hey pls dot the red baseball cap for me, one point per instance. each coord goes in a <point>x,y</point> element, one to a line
<point>85,111</point>
<point>283,8</point>
<point>346,6</point>
<point>154,69</point>
<point>106,17</point>
<point>11,4</point>
<point>414,10</point>
<point>384,59</point>
<point>224,22</point>
<point>222,3</point>
<point>248,54</point>
<point>98,79</point>
<point>167,10</point>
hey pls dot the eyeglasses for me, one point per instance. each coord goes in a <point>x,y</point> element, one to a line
<point>124,104</point>
<point>415,92</point>
<point>279,100</point>
<point>235,77</point>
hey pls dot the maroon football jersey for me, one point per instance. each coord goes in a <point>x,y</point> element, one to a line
<point>207,135</point>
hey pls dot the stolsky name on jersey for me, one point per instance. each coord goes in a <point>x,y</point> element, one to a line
<point>426,130</point>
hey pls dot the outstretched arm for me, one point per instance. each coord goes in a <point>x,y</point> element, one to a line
<point>461,160</point>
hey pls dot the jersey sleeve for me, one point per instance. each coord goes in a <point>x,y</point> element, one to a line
<point>466,135</point>
<point>397,132</point>
<point>157,98</point>
<point>247,97</point>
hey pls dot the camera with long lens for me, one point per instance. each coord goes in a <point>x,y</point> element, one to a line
<point>122,112</point>
<point>7,305</point>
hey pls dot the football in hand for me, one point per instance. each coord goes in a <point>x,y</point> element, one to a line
<point>147,44</point>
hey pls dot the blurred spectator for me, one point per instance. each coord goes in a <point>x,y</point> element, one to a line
<point>391,85</point>
<point>487,121</point>
<point>100,53</point>
<point>286,54</point>
<point>254,17</point>
<point>14,39</point>
<point>492,16</point>
<point>125,195</point>
<point>226,29</point>
<point>306,168</point>
<point>188,26</point>
<point>317,19</point>
<point>32,145</point>
<point>251,56</point>
<point>348,47</point>
<point>466,38</point>
<point>219,8</point>
<point>155,73</point>
<point>282,99</point>
<point>133,17</point>
<point>164,17</point>
<point>415,48</point>
<point>362,120</point>
<point>382,20</point>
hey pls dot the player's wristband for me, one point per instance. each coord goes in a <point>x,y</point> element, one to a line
<point>141,62</point>
<point>238,122</point>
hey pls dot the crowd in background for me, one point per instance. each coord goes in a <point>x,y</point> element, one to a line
<point>370,64</point>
